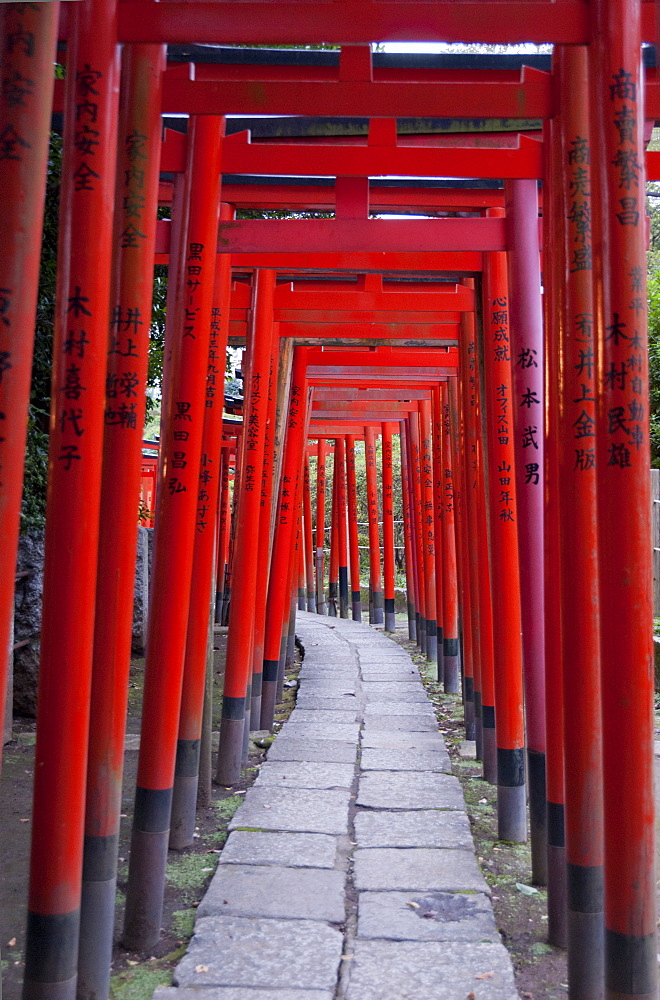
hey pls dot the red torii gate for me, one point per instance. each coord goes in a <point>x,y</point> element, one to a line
<point>607,340</point>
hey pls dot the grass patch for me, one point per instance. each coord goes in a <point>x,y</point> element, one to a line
<point>190,871</point>
<point>226,808</point>
<point>138,983</point>
<point>183,922</point>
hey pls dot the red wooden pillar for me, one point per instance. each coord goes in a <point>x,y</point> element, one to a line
<point>300,548</point>
<point>622,446</point>
<point>471,553</point>
<point>553,282</point>
<point>238,666</point>
<point>375,576</point>
<point>505,585</point>
<point>526,330</point>
<point>74,488</point>
<point>388,530</point>
<point>429,541</point>
<point>407,533</point>
<point>134,242</point>
<point>463,557</point>
<point>414,455</point>
<point>320,527</point>
<point>353,534</point>
<point>450,582</point>
<point>212,297</point>
<point>580,620</point>
<point>438,519</point>
<point>309,542</point>
<point>333,562</point>
<point>278,603</point>
<point>224,514</point>
<point>176,517</point>
<point>30,36</point>
<point>265,536</point>
<point>342,547</point>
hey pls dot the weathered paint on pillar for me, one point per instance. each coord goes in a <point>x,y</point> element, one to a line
<point>414,455</point>
<point>309,541</point>
<point>375,575</point>
<point>526,331</point>
<point>407,534</point>
<point>134,242</point>
<point>450,583</point>
<point>80,348</point>
<point>29,40</point>
<point>388,530</point>
<point>342,547</point>
<point>428,532</point>
<point>622,462</point>
<point>320,527</point>
<point>578,527</point>
<point>176,517</point>
<point>212,300</point>
<point>553,280</point>
<point>277,606</point>
<point>238,665</point>
<point>505,585</point>
<point>353,534</point>
<point>469,547</point>
<point>333,562</point>
<point>438,521</point>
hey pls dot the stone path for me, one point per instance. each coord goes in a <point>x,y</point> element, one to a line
<point>349,872</point>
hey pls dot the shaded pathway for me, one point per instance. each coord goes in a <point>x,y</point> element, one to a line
<point>350,872</point>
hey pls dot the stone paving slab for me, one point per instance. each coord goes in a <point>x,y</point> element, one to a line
<point>400,723</point>
<point>396,691</point>
<point>329,751</point>
<point>273,891</point>
<point>322,731</point>
<point>426,916</point>
<point>301,810</point>
<point>340,704</point>
<point>382,708</point>
<point>417,828</point>
<point>405,760</point>
<point>269,954</point>
<point>238,993</point>
<point>292,850</point>
<point>384,740</point>
<point>319,717</point>
<point>305,774</point>
<point>406,790</point>
<point>330,687</point>
<point>430,970</point>
<point>383,675</point>
<point>417,869</point>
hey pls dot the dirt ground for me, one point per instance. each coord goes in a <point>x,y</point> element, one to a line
<point>135,976</point>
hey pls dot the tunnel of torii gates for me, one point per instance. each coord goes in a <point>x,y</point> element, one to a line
<point>523,417</point>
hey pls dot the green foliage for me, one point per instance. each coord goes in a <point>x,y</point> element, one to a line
<point>33,511</point>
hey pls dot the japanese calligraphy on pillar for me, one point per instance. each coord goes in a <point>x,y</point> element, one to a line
<point>448,483</point>
<point>502,470</point>
<point>388,510</point>
<point>372,495</point>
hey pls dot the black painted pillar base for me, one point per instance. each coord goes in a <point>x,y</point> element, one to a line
<point>452,678</point>
<point>343,591</point>
<point>146,871</point>
<point>255,702</point>
<point>311,601</point>
<point>431,641</point>
<point>412,623</point>
<point>377,599</point>
<point>184,794</point>
<point>230,749</point>
<point>97,915</point>
<point>489,744</point>
<point>268,693</point>
<point>332,599</point>
<point>468,708</point>
<point>51,956</point>
<point>421,634</point>
<point>302,599</point>
<point>246,726</point>
<point>478,726</point>
<point>586,932</point>
<point>511,795</point>
<point>390,615</point>
<point>557,902</point>
<point>631,966</point>
<point>356,605</point>
<point>537,815</point>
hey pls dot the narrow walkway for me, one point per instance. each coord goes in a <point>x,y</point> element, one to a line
<point>350,871</point>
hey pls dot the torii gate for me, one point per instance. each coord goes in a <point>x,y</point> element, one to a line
<point>601,333</point>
